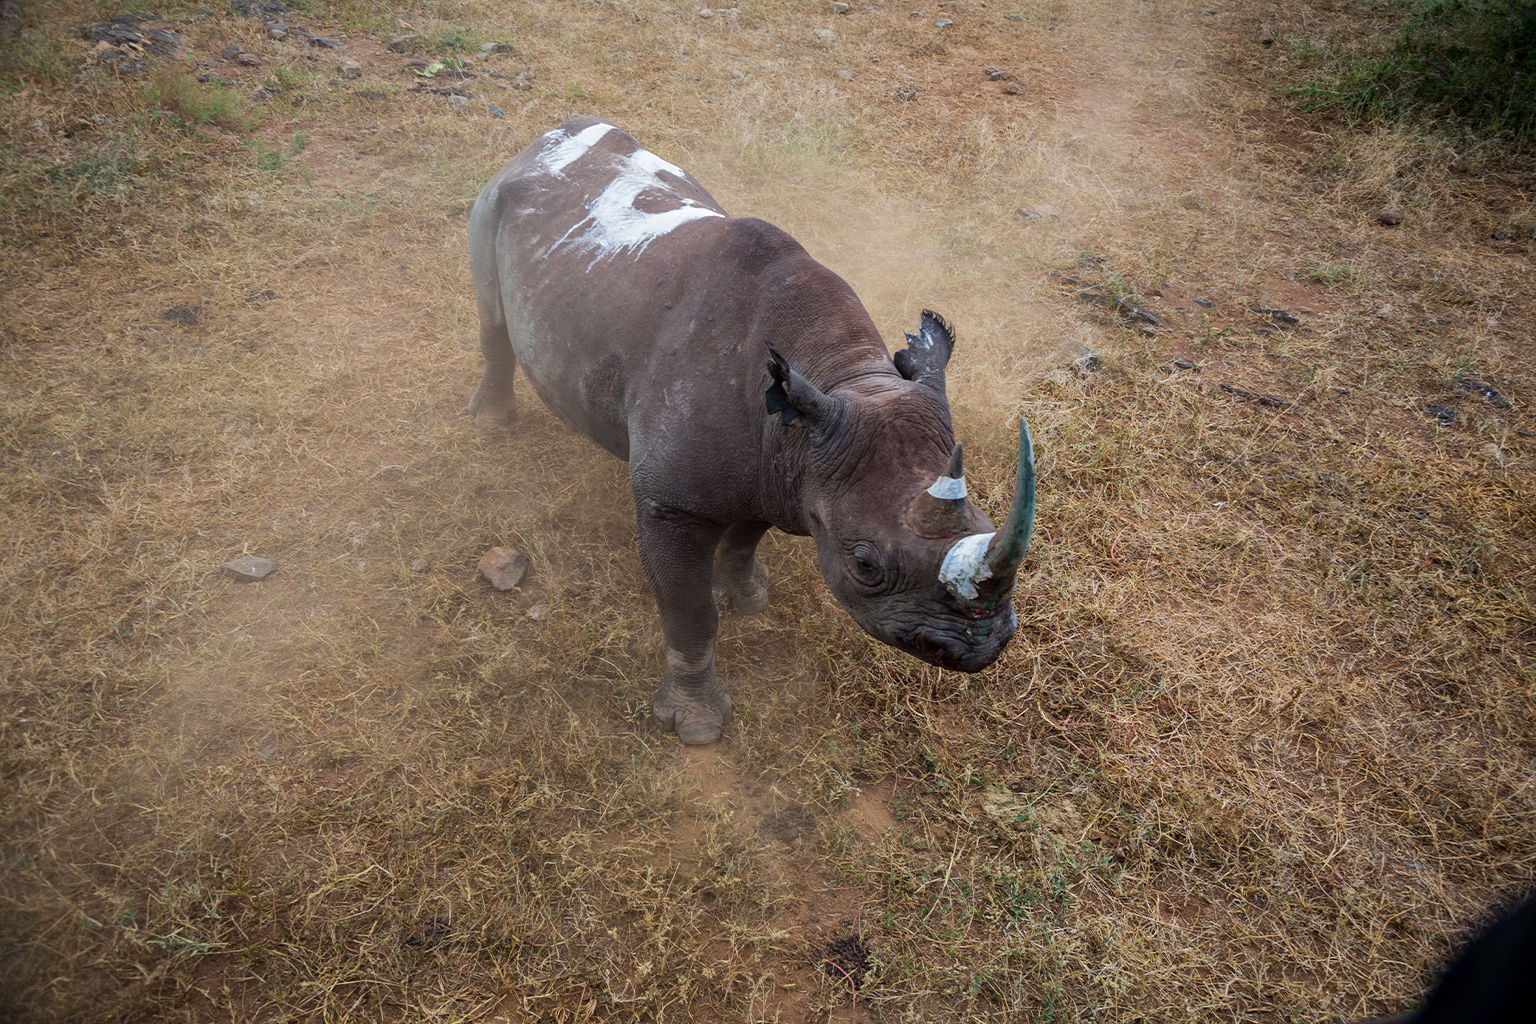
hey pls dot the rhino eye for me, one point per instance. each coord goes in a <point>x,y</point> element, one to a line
<point>866,564</point>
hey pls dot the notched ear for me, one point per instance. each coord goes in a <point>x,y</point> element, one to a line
<point>776,397</point>
<point>927,351</point>
<point>791,395</point>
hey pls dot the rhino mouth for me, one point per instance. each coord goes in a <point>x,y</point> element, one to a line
<point>968,648</point>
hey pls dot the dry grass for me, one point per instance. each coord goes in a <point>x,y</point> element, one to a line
<point>1262,751</point>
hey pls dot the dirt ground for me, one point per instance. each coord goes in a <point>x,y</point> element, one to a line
<point>1264,747</point>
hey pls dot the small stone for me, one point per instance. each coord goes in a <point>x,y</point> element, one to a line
<point>537,612</point>
<point>211,79</point>
<point>1443,415</point>
<point>521,81</point>
<point>1039,211</point>
<point>495,110</point>
<point>233,50</point>
<point>400,44</point>
<point>1012,88</point>
<point>262,93</point>
<point>350,69</point>
<point>943,22</point>
<point>277,30</point>
<point>996,74</point>
<point>249,568</point>
<point>1013,17</point>
<point>845,74</point>
<point>323,43</point>
<point>824,34</point>
<point>838,8</point>
<point>1504,235</point>
<point>491,49</point>
<point>1266,37</point>
<point>737,76</point>
<point>458,102</point>
<point>705,12</point>
<point>418,565</point>
<point>1389,218</point>
<point>504,567</point>
<point>728,13</point>
<point>249,59</point>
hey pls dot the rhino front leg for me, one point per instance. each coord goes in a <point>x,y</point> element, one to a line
<point>741,581</point>
<point>676,550</point>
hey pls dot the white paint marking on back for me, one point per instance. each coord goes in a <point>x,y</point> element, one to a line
<point>613,225</point>
<point>555,159</point>
<point>965,565</point>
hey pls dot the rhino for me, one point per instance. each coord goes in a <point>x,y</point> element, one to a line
<point>747,387</point>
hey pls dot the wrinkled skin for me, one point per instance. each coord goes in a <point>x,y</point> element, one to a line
<point>643,316</point>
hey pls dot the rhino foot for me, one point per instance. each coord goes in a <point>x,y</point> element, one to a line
<point>747,596</point>
<point>492,411</point>
<point>696,718</point>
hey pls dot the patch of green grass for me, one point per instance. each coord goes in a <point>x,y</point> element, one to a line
<point>186,101</point>
<point>1473,61</point>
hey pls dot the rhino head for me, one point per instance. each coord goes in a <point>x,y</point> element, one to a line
<point>900,543</point>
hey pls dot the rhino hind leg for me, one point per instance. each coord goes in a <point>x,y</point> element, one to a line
<point>676,551</point>
<point>494,405</point>
<point>741,581</point>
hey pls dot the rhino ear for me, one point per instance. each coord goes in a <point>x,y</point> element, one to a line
<point>927,351</point>
<point>792,396</point>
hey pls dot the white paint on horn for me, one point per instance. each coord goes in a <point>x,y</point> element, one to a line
<point>965,565</point>
<point>949,488</point>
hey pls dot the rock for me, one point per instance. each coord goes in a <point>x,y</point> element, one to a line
<point>249,59</point>
<point>1087,361</point>
<point>823,34</point>
<point>233,50</point>
<point>258,8</point>
<point>1503,235</point>
<point>491,49</point>
<point>845,75</point>
<point>737,76</point>
<point>1495,399</point>
<point>323,43</point>
<point>262,93</point>
<point>537,612</point>
<point>1389,218</point>
<point>906,92</point>
<point>1443,415</point>
<point>1040,211</point>
<point>943,22</point>
<point>277,30</point>
<point>728,13</point>
<point>458,102</point>
<point>1205,303</point>
<point>838,8</point>
<point>400,44</point>
<point>249,568</point>
<point>1266,37</point>
<point>495,110</point>
<point>705,12</point>
<point>1012,88</point>
<point>521,81</point>
<point>504,567</point>
<point>1013,17</point>
<point>211,79</point>
<point>995,73</point>
<point>350,69</point>
<point>418,565</point>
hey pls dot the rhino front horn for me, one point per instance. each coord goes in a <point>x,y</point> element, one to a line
<point>979,570</point>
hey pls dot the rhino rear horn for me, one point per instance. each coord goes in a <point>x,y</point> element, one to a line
<point>927,351</point>
<point>941,510</point>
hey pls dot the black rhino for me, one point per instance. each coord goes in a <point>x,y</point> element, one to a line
<point>747,387</point>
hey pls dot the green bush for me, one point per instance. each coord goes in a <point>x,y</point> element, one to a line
<point>1473,60</point>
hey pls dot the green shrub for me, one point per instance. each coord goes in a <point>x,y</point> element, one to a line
<point>1473,60</point>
